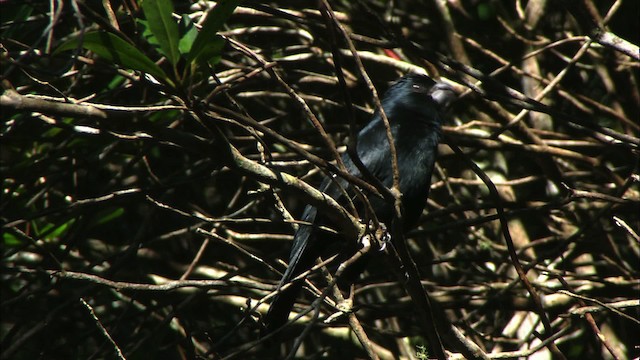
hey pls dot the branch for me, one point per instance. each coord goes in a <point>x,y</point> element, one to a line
<point>12,99</point>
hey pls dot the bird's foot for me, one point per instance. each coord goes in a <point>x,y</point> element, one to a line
<point>382,236</point>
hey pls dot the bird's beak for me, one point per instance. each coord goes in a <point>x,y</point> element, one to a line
<point>443,94</point>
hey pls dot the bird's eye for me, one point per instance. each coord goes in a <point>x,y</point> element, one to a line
<point>416,86</point>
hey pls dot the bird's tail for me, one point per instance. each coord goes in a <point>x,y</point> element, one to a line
<point>302,257</point>
<point>280,308</point>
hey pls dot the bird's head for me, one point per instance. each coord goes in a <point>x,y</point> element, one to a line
<point>417,93</point>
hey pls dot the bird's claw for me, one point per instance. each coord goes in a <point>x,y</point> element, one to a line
<point>383,237</point>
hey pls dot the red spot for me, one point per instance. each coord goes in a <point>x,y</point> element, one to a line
<point>392,54</point>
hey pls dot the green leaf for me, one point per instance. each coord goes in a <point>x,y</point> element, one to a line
<point>10,240</point>
<point>165,29</point>
<point>186,42</point>
<point>51,231</point>
<point>216,17</point>
<point>58,231</point>
<point>116,82</point>
<point>213,53</point>
<point>148,35</point>
<point>113,48</point>
<point>107,216</point>
<point>486,11</point>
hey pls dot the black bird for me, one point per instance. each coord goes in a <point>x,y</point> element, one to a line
<point>414,105</point>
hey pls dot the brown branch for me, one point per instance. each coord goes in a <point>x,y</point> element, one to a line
<point>13,100</point>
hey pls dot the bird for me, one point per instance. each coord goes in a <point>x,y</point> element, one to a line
<point>415,106</point>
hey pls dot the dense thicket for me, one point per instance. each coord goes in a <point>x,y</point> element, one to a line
<point>146,201</point>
